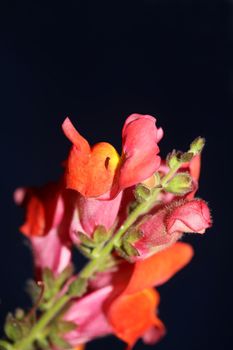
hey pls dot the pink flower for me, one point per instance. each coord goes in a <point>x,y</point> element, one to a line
<point>190,216</point>
<point>167,225</point>
<point>99,170</point>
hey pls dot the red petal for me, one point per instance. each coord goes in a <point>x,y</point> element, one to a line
<point>132,315</point>
<point>160,267</point>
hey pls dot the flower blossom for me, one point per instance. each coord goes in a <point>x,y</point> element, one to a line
<point>99,170</point>
<point>110,309</point>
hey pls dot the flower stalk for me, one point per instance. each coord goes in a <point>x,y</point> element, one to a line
<point>93,265</point>
<point>106,190</point>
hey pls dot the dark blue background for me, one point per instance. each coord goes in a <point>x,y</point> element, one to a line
<point>98,62</point>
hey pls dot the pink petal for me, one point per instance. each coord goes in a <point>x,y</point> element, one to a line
<point>89,316</point>
<point>50,252</point>
<point>140,137</point>
<point>94,212</point>
<point>189,216</point>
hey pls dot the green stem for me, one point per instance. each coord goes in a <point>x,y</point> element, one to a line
<point>94,264</point>
<point>26,342</point>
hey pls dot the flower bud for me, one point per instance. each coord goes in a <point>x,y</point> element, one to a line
<point>166,226</point>
<point>180,184</point>
<point>190,216</point>
<point>197,145</point>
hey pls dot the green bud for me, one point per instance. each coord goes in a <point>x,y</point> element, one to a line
<point>33,290</point>
<point>19,314</point>
<point>43,344</point>
<point>49,284</point>
<point>186,157</point>
<point>63,327</point>
<point>129,249</point>
<point>197,145</point>
<point>78,287</point>
<point>132,235</point>
<point>12,328</point>
<point>4,345</point>
<point>64,276</point>
<point>101,235</point>
<point>59,342</point>
<point>180,184</point>
<point>85,240</point>
<point>141,193</point>
<point>173,159</point>
<point>85,251</point>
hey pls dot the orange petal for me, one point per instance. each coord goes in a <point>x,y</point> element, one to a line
<point>132,315</point>
<point>160,267</point>
<point>89,171</point>
<point>35,218</point>
<point>92,174</point>
<point>42,209</point>
<point>80,347</point>
<point>73,135</point>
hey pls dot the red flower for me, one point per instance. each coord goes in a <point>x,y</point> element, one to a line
<point>99,170</point>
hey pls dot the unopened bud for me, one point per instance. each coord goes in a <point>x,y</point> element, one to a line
<point>197,145</point>
<point>142,193</point>
<point>101,234</point>
<point>180,184</point>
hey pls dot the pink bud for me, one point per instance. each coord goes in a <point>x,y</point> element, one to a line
<point>190,216</point>
<point>167,225</point>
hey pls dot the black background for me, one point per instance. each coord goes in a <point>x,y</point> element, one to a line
<point>97,62</point>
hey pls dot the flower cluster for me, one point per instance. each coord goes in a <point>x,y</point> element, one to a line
<point>126,213</point>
